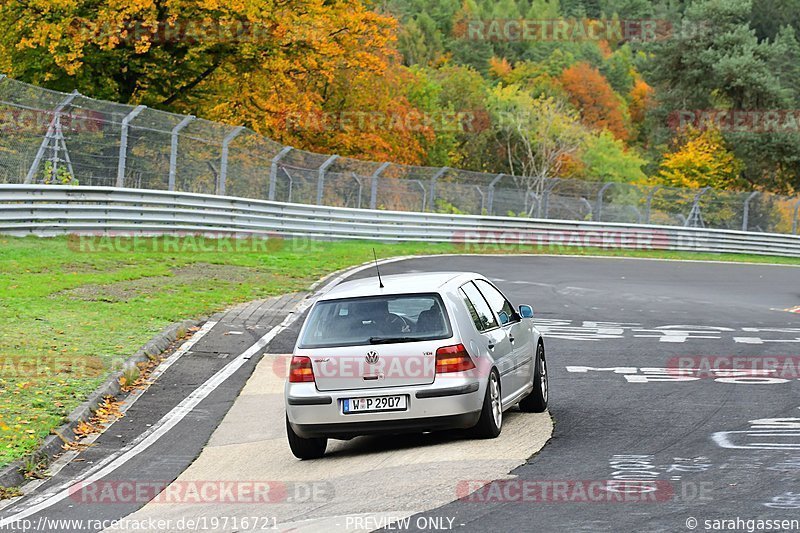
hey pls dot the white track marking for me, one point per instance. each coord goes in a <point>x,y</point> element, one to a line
<point>172,359</point>
<point>68,456</point>
<point>171,419</point>
<point>154,433</point>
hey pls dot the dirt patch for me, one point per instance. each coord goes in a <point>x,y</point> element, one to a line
<point>123,291</point>
<point>73,268</point>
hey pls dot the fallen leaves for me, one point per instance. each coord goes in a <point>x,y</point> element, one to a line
<point>9,492</point>
<point>108,412</point>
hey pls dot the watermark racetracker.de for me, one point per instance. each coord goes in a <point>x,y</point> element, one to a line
<point>716,366</point>
<point>37,121</point>
<point>465,121</point>
<point>47,366</point>
<point>214,523</point>
<point>564,30</point>
<point>509,240</point>
<point>128,491</point>
<point>760,121</point>
<point>599,491</point>
<point>190,242</point>
<point>184,30</point>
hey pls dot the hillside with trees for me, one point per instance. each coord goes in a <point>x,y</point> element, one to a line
<point>700,93</point>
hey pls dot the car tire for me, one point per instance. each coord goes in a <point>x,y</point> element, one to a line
<point>302,448</point>
<point>536,401</point>
<point>491,421</point>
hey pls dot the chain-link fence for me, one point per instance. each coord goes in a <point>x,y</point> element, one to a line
<point>52,137</point>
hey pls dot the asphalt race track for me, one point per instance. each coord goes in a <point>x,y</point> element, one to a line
<point>704,444</point>
<point>653,431</point>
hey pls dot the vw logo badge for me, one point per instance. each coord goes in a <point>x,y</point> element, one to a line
<point>372,357</point>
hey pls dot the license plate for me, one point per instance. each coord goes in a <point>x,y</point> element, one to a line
<point>376,403</point>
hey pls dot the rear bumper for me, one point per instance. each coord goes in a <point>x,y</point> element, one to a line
<point>348,430</point>
<point>452,404</point>
<point>450,391</point>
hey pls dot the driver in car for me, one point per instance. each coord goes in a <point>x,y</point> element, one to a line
<point>374,319</point>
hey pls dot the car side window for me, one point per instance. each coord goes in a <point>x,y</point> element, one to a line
<point>498,302</point>
<point>479,310</point>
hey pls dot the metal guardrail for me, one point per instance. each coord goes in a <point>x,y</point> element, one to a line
<point>48,210</point>
<point>54,137</point>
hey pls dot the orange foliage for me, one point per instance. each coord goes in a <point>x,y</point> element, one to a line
<point>571,166</point>
<point>641,99</point>
<point>605,49</point>
<point>319,71</point>
<point>500,67</point>
<point>591,93</point>
<point>365,116</point>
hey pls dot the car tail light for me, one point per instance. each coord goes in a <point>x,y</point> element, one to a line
<point>453,359</point>
<point>300,370</point>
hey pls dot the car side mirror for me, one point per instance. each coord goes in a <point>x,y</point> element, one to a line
<point>526,311</point>
<point>504,318</point>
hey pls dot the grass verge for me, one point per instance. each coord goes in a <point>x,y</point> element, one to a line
<point>69,310</point>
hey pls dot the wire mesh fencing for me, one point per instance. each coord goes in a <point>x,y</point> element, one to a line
<point>50,137</point>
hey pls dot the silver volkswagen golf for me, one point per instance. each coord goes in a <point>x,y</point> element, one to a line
<point>413,353</point>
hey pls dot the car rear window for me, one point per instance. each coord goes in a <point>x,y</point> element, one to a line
<point>376,320</point>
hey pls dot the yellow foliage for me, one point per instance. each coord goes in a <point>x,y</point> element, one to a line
<point>702,160</point>
<point>243,62</point>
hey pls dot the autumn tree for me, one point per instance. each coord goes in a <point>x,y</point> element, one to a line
<point>165,54</point>
<point>641,98</point>
<point>701,160</point>
<point>606,159</point>
<point>537,136</point>
<point>363,116</point>
<point>736,55</point>
<point>591,93</point>
<point>314,74</point>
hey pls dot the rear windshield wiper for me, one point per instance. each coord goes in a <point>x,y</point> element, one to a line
<point>385,340</point>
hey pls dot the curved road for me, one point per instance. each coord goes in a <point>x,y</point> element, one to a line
<point>653,430</point>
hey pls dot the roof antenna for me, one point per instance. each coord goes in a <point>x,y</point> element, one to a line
<point>380,283</point>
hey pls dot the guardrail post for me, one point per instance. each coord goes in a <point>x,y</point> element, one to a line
<point>434,179</point>
<point>321,177</point>
<point>273,171</point>
<point>373,193</point>
<point>490,202</point>
<point>173,151</point>
<point>598,208</point>
<point>650,196</point>
<point>794,220</point>
<point>123,144</point>
<point>746,210</point>
<point>223,168</point>
<point>47,136</point>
